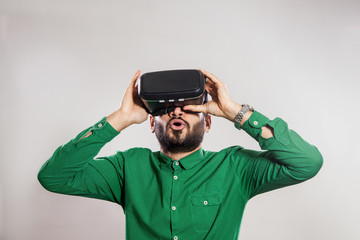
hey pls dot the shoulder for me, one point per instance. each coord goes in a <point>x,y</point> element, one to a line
<point>224,152</point>
<point>234,153</point>
<point>133,152</point>
<point>136,155</point>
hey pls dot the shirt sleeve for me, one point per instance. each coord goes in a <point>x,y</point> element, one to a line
<point>287,159</point>
<point>73,170</point>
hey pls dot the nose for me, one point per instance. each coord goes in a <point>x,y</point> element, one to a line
<point>177,112</point>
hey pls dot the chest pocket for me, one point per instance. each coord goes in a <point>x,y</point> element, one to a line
<point>204,209</point>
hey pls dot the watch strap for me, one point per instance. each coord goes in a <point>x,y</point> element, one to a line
<point>245,108</point>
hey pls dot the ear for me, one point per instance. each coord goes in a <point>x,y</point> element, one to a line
<point>207,123</point>
<point>152,123</point>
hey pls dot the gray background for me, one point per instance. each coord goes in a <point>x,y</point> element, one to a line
<point>66,64</point>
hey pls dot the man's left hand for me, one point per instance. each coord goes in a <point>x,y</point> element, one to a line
<point>221,104</point>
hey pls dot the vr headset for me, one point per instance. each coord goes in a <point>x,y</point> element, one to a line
<point>163,91</point>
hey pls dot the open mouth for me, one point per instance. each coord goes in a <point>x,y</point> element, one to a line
<point>177,124</point>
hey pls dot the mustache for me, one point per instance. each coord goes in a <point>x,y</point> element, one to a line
<point>186,122</point>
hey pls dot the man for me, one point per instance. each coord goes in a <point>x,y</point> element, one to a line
<point>182,191</point>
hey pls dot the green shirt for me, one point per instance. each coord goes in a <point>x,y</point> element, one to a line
<point>201,196</point>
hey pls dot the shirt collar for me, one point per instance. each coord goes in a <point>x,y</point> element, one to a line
<point>186,162</point>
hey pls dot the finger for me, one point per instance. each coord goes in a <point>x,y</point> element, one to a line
<point>208,89</point>
<point>133,81</point>
<point>211,88</point>
<point>135,77</point>
<point>135,93</point>
<point>209,82</point>
<point>195,108</point>
<point>211,76</point>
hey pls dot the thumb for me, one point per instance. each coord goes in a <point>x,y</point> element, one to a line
<point>195,108</point>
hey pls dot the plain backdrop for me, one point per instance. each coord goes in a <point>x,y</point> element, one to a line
<point>66,64</point>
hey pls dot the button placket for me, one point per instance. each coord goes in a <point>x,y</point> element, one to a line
<point>175,165</point>
<point>174,197</point>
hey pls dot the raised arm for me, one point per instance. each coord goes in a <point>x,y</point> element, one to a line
<point>288,158</point>
<point>72,168</point>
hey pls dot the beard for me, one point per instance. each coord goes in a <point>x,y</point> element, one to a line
<point>176,143</point>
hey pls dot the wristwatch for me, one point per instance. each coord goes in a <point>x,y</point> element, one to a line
<point>245,108</point>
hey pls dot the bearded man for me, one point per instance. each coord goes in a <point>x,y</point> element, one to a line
<point>182,191</point>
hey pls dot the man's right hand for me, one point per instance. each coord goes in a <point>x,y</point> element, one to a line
<point>132,109</point>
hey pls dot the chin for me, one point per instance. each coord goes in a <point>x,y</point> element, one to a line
<point>177,134</point>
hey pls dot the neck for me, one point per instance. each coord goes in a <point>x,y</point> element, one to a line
<point>178,156</point>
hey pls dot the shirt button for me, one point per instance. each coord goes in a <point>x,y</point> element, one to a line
<point>176,238</point>
<point>100,125</point>
<point>173,208</point>
<point>256,123</point>
<point>205,202</point>
<point>176,163</point>
<point>175,177</point>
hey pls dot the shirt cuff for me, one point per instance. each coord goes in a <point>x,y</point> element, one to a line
<point>253,127</point>
<point>280,128</point>
<point>101,129</point>
<point>254,124</point>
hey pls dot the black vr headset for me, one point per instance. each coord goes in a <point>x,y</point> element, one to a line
<point>163,91</point>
